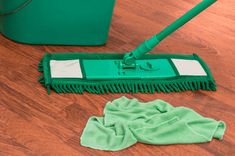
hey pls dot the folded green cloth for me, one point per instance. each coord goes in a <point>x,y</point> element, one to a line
<point>128,121</point>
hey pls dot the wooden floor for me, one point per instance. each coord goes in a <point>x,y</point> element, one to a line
<point>33,123</point>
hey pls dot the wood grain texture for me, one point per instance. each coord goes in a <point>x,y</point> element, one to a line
<point>33,123</point>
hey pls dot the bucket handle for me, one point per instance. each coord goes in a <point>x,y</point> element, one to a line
<point>17,9</point>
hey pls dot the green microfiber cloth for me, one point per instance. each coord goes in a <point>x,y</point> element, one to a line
<point>128,121</point>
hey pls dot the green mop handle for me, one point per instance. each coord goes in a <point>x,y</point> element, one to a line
<point>148,45</point>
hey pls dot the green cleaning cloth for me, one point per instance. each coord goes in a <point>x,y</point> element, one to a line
<point>128,121</point>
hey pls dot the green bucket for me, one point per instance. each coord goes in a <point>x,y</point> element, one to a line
<point>56,22</point>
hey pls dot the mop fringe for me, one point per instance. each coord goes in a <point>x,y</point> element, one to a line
<point>130,87</point>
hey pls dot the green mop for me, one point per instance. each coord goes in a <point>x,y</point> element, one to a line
<point>131,72</point>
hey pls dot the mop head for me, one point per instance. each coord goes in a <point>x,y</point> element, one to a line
<point>104,73</point>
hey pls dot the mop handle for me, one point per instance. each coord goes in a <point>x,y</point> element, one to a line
<point>149,44</point>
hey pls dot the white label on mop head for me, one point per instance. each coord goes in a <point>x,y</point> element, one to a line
<point>66,69</point>
<point>189,67</point>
